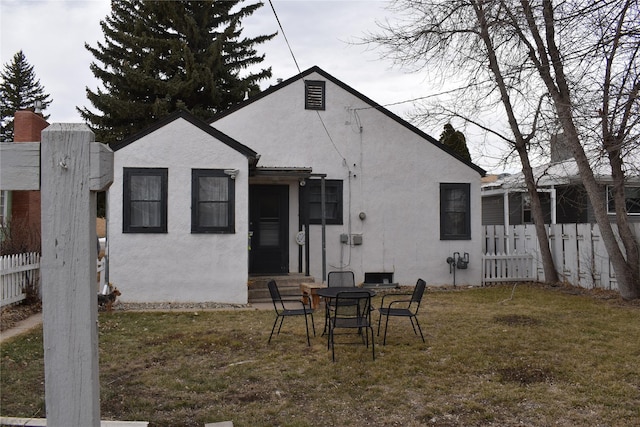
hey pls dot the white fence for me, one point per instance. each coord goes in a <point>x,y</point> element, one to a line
<point>102,275</point>
<point>17,273</point>
<point>577,250</point>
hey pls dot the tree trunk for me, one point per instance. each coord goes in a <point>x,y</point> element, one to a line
<point>550,273</point>
<point>627,270</point>
<point>548,265</point>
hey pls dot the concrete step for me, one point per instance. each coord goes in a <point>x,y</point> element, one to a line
<point>288,285</point>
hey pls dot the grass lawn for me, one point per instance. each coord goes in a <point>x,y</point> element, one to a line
<point>538,357</point>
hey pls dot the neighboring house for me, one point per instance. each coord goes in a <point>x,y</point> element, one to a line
<point>22,208</point>
<point>196,210</point>
<point>505,200</point>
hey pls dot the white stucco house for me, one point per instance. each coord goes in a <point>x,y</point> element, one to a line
<point>197,209</point>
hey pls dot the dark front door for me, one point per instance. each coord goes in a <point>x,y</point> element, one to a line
<point>269,224</point>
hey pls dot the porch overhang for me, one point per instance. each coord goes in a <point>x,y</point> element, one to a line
<point>281,172</point>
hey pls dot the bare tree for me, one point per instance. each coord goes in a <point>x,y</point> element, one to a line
<point>573,63</point>
<point>456,40</point>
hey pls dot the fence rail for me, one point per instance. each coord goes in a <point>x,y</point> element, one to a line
<point>507,268</point>
<point>17,274</point>
<point>577,250</point>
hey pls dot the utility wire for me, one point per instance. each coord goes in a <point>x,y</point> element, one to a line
<point>300,72</point>
<point>409,100</point>
<point>285,36</point>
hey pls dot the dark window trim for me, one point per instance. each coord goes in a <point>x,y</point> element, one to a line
<point>195,220</point>
<point>444,233</point>
<point>340,202</point>
<point>314,95</point>
<point>163,173</point>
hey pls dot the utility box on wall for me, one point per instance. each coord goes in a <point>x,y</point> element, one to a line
<point>356,239</point>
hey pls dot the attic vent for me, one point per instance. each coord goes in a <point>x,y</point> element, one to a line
<point>314,95</point>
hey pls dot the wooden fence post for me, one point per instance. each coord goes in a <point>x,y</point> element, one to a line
<point>68,266</point>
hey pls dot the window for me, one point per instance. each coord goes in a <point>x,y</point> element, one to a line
<point>212,201</point>
<point>314,95</point>
<point>455,209</point>
<point>631,198</point>
<point>527,217</point>
<point>333,201</point>
<point>144,200</point>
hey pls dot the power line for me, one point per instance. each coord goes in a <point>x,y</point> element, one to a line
<point>300,72</point>
<point>285,36</point>
<point>410,100</point>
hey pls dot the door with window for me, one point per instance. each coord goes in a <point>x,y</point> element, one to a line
<point>269,225</point>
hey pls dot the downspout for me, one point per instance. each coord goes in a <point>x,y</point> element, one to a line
<point>324,231</point>
<point>553,204</point>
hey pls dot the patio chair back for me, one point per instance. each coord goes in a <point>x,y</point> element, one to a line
<point>342,278</point>
<point>275,295</point>
<point>416,297</point>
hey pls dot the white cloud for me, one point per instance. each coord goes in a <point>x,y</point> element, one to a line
<point>52,34</point>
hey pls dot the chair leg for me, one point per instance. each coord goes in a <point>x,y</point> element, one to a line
<point>281,322</point>
<point>413,325</point>
<point>420,329</point>
<point>373,345</point>
<point>313,325</point>
<point>386,326</point>
<point>273,329</point>
<point>306,325</point>
<point>333,344</point>
<point>379,319</point>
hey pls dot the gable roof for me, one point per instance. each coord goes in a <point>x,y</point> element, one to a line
<point>373,104</point>
<point>181,114</point>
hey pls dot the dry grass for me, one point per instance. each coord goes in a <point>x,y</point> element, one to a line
<point>544,357</point>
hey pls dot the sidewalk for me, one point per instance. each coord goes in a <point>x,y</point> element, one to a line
<point>22,327</point>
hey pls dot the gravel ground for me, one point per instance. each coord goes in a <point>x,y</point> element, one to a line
<point>169,306</point>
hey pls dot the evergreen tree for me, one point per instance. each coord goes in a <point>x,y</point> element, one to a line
<point>455,140</point>
<point>160,56</point>
<point>19,90</point>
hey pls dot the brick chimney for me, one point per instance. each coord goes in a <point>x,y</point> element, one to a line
<point>25,205</point>
<point>27,126</point>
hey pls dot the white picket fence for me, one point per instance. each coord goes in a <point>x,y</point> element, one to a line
<point>17,272</point>
<point>577,250</point>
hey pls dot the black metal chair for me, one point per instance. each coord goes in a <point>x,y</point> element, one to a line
<point>283,309</point>
<point>409,308</point>
<point>341,279</point>
<point>337,279</point>
<point>352,311</point>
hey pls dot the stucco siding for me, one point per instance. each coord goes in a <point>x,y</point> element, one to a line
<point>390,173</point>
<point>179,266</point>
